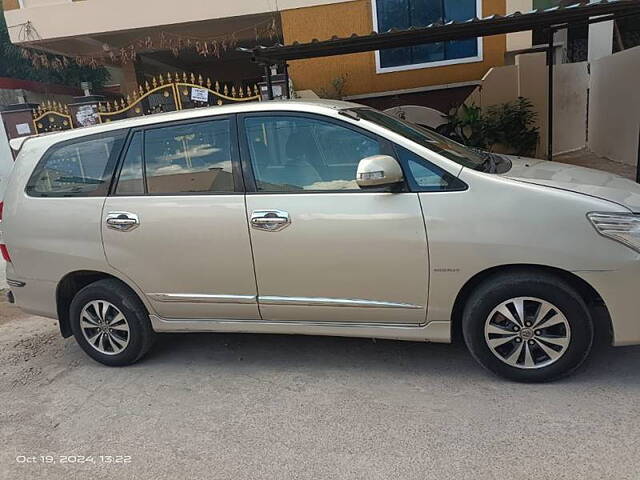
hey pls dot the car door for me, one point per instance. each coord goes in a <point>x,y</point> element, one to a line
<point>176,225</point>
<point>324,250</point>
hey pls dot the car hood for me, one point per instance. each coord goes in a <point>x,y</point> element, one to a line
<point>577,179</point>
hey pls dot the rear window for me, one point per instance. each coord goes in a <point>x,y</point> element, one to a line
<point>77,168</point>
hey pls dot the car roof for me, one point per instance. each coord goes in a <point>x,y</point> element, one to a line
<point>311,106</point>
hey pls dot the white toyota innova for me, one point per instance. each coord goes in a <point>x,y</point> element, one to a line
<point>319,218</point>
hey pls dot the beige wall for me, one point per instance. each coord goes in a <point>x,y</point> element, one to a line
<point>614,106</point>
<point>305,24</point>
<point>57,18</point>
<point>519,40</point>
<point>571,88</point>
<point>499,85</point>
<point>528,78</point>
<point>532,70</point>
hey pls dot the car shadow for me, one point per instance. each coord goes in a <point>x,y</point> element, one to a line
<point>360,356</point>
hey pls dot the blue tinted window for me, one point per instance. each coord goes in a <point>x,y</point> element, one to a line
<point>403,14</point>
<point>425,176</point>
<point>291,154</point>
<point>189,158</point>
<point>130,181</point>
<point>77,168</point>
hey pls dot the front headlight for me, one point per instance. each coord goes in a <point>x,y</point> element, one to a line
<point>622,227</point>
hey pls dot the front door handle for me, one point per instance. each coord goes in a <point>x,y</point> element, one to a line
<point>122,221</point>
<point>270,220</point>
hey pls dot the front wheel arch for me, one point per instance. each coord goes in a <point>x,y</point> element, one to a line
<point>602,319</point>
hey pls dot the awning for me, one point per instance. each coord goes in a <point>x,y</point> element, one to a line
<point>439,32</point>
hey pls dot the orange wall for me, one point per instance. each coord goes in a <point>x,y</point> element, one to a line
<point>343,19</point>
<point>10,4</point>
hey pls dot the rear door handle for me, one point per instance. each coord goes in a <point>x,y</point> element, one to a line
<point>270,220</point>
<point>122,221</point>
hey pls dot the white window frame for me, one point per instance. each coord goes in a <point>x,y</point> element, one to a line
<point>415,66</point>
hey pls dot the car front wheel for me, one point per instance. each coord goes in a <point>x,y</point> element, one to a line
<point>529,327</point>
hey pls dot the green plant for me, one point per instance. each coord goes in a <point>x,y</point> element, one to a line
<point>465,125</point>
<point>511,124</point>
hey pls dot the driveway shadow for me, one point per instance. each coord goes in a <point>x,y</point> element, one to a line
<point>363,356</point>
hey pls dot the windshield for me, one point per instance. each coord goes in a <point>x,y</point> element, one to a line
<point>440,144</point>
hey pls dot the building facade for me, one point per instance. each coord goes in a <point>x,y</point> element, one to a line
<point>434,75</point>
<point>201,38</point>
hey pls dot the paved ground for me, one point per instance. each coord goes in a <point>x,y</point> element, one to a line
<point>585,158</point>
<point>278,407</point>
<point>226,406</point>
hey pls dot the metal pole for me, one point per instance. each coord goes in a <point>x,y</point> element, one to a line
<point>267,73</point>
<point>550,61</point>
<point>287,93</point>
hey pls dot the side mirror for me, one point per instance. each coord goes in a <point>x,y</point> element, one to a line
<point>378,171</point>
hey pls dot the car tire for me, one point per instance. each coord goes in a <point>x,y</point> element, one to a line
<point>551,340</point>
<point>110,323</point>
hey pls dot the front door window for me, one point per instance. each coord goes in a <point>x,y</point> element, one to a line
<point>290,154</point>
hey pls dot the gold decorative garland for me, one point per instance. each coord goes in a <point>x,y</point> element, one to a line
<point>175,83</point>
<point>48,109</point>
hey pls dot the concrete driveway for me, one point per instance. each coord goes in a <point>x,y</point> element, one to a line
<point>227,406</point>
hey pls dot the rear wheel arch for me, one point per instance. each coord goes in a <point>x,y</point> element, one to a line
<point>595,303</point>
<point>71,284</point>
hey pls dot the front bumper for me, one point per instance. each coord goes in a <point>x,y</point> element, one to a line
<point>620,291</point>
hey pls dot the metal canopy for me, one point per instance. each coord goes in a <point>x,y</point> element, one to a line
<point>551,20</point>
<point>438,32</point>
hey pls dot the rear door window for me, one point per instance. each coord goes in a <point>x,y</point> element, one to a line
<point>189,158</point>
<point>78,168</point>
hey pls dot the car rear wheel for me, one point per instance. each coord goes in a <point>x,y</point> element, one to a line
<point>529,327</point>
<point>110,323</point>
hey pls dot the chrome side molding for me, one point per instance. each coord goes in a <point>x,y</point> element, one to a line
<point>332,302</point>
<point>201,298</point>
<point>278,300</point>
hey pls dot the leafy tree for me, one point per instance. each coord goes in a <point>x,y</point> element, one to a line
<point>14,65</point>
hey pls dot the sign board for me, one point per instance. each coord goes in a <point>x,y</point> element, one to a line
<point>87,115</point>
<point>278,91</point>
<point>23,129</point>
<point>199,94</point>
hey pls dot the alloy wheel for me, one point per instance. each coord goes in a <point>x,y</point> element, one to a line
<point>104,327</point>
<point>527,332</point>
